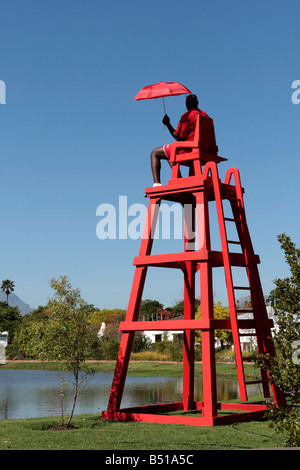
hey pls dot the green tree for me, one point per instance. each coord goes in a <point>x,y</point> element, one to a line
<point>178,307</point>
<point>110,340</point>
<point>221,313</point>
<point>10,320</point>
<point>148,308</point>
<point>10,317</point>
<point>65,335</point>
<point>105,315</point>
<point>28,339</point>
<point>273,299</point>
<point>284,369</point>
<point>36,315</point>
<point>68,334</point>
<point>8,287</point>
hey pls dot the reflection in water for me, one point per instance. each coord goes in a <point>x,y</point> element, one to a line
<point>35,393</point>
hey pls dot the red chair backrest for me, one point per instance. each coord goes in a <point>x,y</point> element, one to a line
<point>207,138</point>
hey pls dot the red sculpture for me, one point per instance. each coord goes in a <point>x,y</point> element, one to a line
<point>200,188</point>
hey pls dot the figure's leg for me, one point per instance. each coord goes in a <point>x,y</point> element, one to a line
<point>157,155</point>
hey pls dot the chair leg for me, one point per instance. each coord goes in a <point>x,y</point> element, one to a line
<point>175,170</point>
<point>191,170</point>
<point>197,167</point>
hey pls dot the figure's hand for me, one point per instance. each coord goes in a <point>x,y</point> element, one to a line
<point>166,120</point>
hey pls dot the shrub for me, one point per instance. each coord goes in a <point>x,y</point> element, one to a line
<point>284,369</point>
<point>150,356</point>
<point>109,350</point>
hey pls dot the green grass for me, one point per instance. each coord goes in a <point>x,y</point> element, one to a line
<point>94,433</point>
<point>138,369</point>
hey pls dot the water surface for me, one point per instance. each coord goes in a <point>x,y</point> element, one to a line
<point>36,393</point>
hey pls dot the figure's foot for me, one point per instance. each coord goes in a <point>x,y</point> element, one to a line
<point>154,186</point>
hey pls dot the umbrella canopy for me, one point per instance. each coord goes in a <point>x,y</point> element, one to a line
<point>161,89</point>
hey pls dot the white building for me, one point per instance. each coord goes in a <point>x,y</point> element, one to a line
<point>3,345</point>
<point>248,342</point>
<point>159,335</point>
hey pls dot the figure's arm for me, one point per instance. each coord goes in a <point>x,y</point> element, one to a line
<point>166,122</point>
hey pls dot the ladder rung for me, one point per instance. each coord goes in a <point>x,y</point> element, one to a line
<point>244,310</point>
<point>234,242</point>
<point>241,288</point>
<point>247,334</point>
<point>251,382</point>
<point>229,219</point>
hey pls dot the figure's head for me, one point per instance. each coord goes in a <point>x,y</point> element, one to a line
<point>191,102</point>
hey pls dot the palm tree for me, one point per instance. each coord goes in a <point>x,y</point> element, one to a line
<point>7,286</point>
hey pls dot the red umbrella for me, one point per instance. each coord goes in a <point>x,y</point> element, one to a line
<point>160,90</point>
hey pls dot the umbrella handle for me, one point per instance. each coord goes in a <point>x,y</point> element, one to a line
<point>164,105</point>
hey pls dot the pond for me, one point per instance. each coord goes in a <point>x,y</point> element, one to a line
<point>36,393</point>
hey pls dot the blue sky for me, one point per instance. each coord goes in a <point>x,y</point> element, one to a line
<point>73,138</point>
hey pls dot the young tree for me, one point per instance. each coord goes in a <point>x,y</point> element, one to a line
<point>67,334</point>
<point>284,369</point>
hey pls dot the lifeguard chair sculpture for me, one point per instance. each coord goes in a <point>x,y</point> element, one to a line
<point>197,190</point>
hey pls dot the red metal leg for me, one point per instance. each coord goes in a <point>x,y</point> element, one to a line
<point>208,344</point>
<point>133,309</point>
<point>189,337</point>
<point>206,296</point>
<point>189,270</point>
<point>126,341</point>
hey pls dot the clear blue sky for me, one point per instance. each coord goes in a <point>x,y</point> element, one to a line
<point>72,137</point>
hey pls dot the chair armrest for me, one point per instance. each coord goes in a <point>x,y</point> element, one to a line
<point>184,144</point>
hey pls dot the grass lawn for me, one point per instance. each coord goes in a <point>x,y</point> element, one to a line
<point>141,369</point>
<point>94,433</point>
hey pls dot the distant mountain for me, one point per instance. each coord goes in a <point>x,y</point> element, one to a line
<point>15,301</point>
